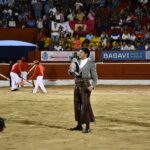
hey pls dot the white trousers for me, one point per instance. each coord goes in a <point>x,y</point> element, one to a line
<point>39,83</point>
<point>24,75</point>
<point>15,79</point>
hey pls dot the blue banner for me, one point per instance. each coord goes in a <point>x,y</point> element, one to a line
<point>125,55</point>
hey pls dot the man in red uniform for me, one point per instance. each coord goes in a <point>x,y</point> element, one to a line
<point>15,76</point>
<point>38,75</point>
<point>24,69</point>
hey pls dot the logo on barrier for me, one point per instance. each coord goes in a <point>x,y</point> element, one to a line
<point>45,56</point>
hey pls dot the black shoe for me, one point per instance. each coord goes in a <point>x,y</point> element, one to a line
<point>77,128</point>
<point>86,131</point>
<point>15,90</point>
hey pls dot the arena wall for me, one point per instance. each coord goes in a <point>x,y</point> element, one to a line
<point>106,71</point>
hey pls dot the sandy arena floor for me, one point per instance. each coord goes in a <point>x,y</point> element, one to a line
<point>41,121</point>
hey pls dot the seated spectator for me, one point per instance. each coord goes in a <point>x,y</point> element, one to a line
<point>147,46</point>
<point>51,47</point>
<point>76,43</point>
<point>116,46</point>
<point>130,46</point>
<point>126,36</point>
<point>58,47</point>
<point>132,37</point>
<point>30,23</point>
<point>139,35</point>
<point>40,40</point>
<point>104,38</point>
<point>91,15</point>
<point>47,42</point>
<point>108,46</point>
<point>140,46</point>
<point>115,36</point>
<point>124,46</point>
<point>12,23</point>
<point>127,46</point>
<point>146,35</point>
<point>88,38</point>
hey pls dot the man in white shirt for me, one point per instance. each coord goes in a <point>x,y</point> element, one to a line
<point>55,32</point>
<point>58,47</point>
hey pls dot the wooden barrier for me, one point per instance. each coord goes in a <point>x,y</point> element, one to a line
<point>110,71</point>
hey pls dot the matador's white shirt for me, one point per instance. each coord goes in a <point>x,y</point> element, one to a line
<point>83,62</point>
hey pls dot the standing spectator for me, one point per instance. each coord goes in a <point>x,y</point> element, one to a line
<point>55,32</point>
<point>37,9</point>
<point>80,16</point>
<point>40,40</point>
<point>70,16</point>
<point>39,23</point>
<point>78,4</point>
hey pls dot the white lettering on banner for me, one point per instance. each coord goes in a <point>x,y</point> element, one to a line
<point>115,55</point>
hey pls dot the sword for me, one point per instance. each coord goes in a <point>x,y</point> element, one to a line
<point>31,69</point>
<point>4,77</point>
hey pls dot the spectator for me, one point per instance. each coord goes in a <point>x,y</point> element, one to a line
<point>80,16</point>
<point>88,38</point>
<point>126,36</point>
<point>116,46</point>
<point>91,15</point>
<point>40,40</point>
<point>39,23</point>
<point>77,43</point>
<point>55,32</point>
<point>140,46</point>
<point>78,4</point>
<point>132,37</point>
<point>124,46</point>
<point>147,46</point>
<point>37,6</point>
<point>58,47</point>
<point>70,16</point>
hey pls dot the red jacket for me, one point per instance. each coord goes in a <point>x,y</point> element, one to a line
<point>38,71</point>
<point>16,69</point>
<point>24,66</point>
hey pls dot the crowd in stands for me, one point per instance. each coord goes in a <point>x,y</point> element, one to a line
<point>119,24</point>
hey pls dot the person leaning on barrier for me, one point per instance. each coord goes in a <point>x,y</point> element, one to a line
<point>83,70</point>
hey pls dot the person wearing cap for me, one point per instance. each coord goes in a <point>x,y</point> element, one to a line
<point>24,69</point>
<point>84,72</point>
<point>15,75</point>
<point>38,74</point>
